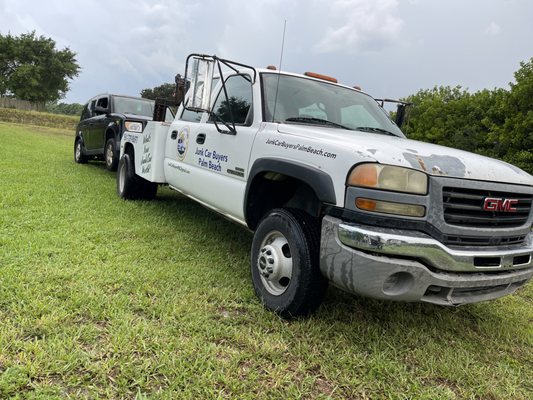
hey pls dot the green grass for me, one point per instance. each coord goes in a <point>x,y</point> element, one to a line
<point>102,298</point>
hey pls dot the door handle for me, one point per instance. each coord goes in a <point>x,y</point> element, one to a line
<point>174,135</point>
<point>200,139</point>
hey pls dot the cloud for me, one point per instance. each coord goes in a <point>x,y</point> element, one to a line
<point>358,25</point>
<point>493,29</point>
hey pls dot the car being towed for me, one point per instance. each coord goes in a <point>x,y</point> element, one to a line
<point>103,120</point>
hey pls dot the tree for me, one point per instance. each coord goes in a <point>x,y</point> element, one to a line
<point>497,123</point>
<point>448,116</point>
<point>514,137</point>
<point>164,91</point>
<point>31,68</point>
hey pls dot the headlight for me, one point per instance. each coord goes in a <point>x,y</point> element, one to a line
<point>388,177</point>
<point>133,126</point>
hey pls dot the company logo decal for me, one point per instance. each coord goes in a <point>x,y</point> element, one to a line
<point>502,205</point>
<point>183,142</point>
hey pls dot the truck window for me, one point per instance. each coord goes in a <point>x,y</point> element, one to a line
<point>86,113</point>
<point>135,106</point>
<point>293,99</point>
<point>102,102</point>
<point>358,113</point>
<point>240,101</point>
<point>314,110</point>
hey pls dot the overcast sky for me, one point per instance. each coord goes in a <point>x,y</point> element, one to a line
<point>391,48</point>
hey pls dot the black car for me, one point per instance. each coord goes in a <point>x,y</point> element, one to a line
<point>103,120</point>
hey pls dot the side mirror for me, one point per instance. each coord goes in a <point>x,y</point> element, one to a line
<point>201,69</point>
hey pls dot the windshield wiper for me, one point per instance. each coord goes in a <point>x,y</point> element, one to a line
<point>316,121</point>
<point>374,129</point>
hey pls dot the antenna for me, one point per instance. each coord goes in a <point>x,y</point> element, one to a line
<point>279,69</point>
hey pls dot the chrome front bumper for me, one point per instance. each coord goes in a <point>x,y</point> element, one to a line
<point>411,266</point>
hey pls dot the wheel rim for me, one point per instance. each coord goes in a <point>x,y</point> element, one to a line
<point>77,153</point>
<point>121,177</point>
<point>275,263</point>
<point>109,154</point>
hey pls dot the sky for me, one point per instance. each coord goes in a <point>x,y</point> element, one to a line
<point>391,48</point>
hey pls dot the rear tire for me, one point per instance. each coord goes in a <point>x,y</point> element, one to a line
<point>79,157</point>
<point>131,186</point>
<point>111,155</point>
<point>149,190</point>
<point>285,263</point>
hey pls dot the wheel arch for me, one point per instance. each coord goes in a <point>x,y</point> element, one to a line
<point>305,187</point>
<point>112,133</point>
<point>130,150</point>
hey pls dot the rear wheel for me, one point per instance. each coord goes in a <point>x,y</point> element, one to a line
<point>285,263</point>
<point>79,157</point>
<point>131,186</point>
<point>111,155</point>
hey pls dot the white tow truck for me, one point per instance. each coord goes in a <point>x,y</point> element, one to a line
<point>334,191</point>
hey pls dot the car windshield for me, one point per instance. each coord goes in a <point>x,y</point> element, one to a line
<point>307,101</point>
<point>128,105</point>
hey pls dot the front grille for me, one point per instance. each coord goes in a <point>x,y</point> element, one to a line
<point>482,241</point>
<point>464,207</point>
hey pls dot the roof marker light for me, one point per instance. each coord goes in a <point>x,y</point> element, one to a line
<point>320,76</point>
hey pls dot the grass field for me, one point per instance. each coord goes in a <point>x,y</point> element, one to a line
<point>101,298</point>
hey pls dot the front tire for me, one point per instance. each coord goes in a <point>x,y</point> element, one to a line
<point>285,263</point>
<point>111,155</point>
<point>79,157</point>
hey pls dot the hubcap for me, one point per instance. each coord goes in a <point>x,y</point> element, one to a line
<point>78,150</point>
<point>109,154</point>
<point>275,263</point>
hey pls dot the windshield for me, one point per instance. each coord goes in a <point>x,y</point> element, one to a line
<point>306,101</point>
<point>128,105</point>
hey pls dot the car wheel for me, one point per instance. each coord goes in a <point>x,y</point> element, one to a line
<point>79,157</point>
<point>110,155</point>
<point>285,263</point>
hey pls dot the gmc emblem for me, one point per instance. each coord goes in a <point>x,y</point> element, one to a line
<point>503,205</point>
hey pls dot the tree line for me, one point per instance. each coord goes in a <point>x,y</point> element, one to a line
<point>496,123</point>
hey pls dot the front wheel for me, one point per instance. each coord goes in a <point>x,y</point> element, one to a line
<point>285,263</point>
<point>110,155</point>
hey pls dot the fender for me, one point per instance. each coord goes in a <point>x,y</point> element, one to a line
<point>116,132</point>
<point>316,179</point>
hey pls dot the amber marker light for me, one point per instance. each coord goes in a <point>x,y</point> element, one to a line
<point>365,204</point>
<point>321,77</point>
<point>389,207</point>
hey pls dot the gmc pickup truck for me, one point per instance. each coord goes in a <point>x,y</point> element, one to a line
<point>333,191</point>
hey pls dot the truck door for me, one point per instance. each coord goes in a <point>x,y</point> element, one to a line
<point>215,163</point>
